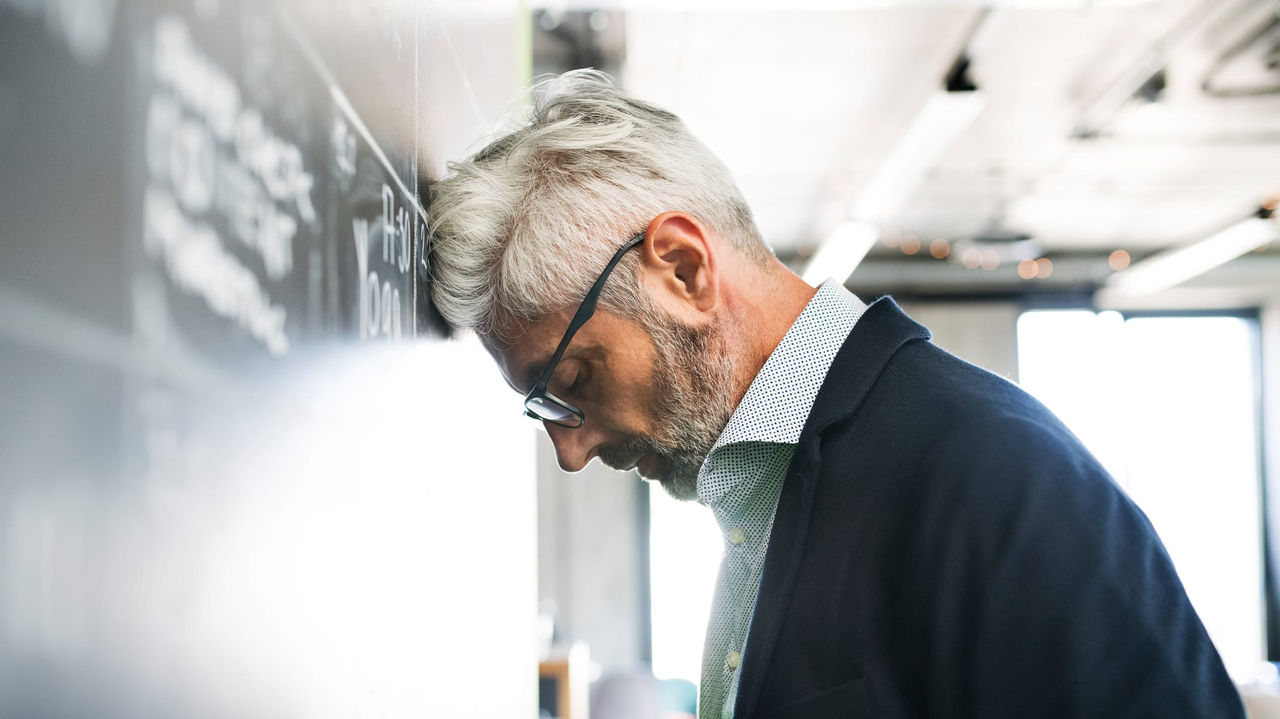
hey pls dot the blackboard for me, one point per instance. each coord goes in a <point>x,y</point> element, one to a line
<point>211,213</point>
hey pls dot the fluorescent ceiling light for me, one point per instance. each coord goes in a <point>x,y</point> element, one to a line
<point>838,256</point>
<point>1179,265</point>
<point>943,118</point>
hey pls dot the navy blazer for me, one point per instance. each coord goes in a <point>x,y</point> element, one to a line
<point>945,547</point>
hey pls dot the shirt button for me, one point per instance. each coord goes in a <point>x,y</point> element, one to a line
<point>736,535</point>
<point>733,659</point>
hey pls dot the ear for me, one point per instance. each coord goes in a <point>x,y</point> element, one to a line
<point>679,264</point>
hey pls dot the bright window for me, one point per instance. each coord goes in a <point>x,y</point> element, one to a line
<point>1168,405</point>
<point>684,557</point>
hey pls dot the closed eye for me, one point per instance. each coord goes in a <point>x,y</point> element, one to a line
<point>563,386</point>
<point>579,383</point>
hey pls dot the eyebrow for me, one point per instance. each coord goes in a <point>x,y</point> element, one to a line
<point>535,370</point>
<point>571,353</point>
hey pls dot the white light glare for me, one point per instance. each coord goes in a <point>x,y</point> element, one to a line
<point>1176,266</point>
<point>943,118</point>
<point>839,255</point>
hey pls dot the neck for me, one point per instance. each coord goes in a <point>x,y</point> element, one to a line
<point>769,300</point>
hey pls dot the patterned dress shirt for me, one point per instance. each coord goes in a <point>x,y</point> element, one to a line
<point>742,476</point>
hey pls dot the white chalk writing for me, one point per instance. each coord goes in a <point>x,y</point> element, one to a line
<point>342,143</point>
<point>197,262</point>
<point>379,303</point>
<point>213,159</point>
<point>395,231</point>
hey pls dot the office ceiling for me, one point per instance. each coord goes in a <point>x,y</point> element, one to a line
<point>1108,125</point>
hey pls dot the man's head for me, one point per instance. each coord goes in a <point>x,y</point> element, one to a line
<point>521,232</point>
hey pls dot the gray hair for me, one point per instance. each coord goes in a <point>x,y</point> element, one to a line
<point>521,230</point>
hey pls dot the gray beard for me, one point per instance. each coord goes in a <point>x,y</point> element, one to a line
<point>693,384</point>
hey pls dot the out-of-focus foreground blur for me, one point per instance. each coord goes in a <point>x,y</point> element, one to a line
<point>241,474</point>
<point>244,472</point>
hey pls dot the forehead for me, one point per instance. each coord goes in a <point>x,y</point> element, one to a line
<point>522,350</point>
<point>522,355</point>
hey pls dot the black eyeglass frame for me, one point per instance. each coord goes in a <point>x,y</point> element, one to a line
<point>538,396</point>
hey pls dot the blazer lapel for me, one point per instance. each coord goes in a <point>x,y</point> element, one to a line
<point>882,329</point>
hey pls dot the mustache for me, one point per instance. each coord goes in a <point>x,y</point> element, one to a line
<point>624,454</point>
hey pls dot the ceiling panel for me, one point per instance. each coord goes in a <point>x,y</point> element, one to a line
<point>805,106</point>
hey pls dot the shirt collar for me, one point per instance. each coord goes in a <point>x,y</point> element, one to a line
<point>777,404</point>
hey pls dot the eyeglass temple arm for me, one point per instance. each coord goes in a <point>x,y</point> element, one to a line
<point>588,307</point>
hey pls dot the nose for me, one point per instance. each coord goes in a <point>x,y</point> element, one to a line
<point>574,448</point>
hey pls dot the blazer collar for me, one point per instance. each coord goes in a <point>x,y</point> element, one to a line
<point>883,329</point>
<point>874,340</point>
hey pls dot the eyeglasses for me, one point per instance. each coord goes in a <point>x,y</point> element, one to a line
<point>541,404</point>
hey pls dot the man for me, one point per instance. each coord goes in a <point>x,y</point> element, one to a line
<point>906,535</point>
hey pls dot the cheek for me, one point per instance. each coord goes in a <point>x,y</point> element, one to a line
<point>626,399</point>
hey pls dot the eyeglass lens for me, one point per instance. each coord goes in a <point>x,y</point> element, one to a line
<point>545,408</point>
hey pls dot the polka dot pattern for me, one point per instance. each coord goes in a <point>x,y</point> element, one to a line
<point>741,479</point>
